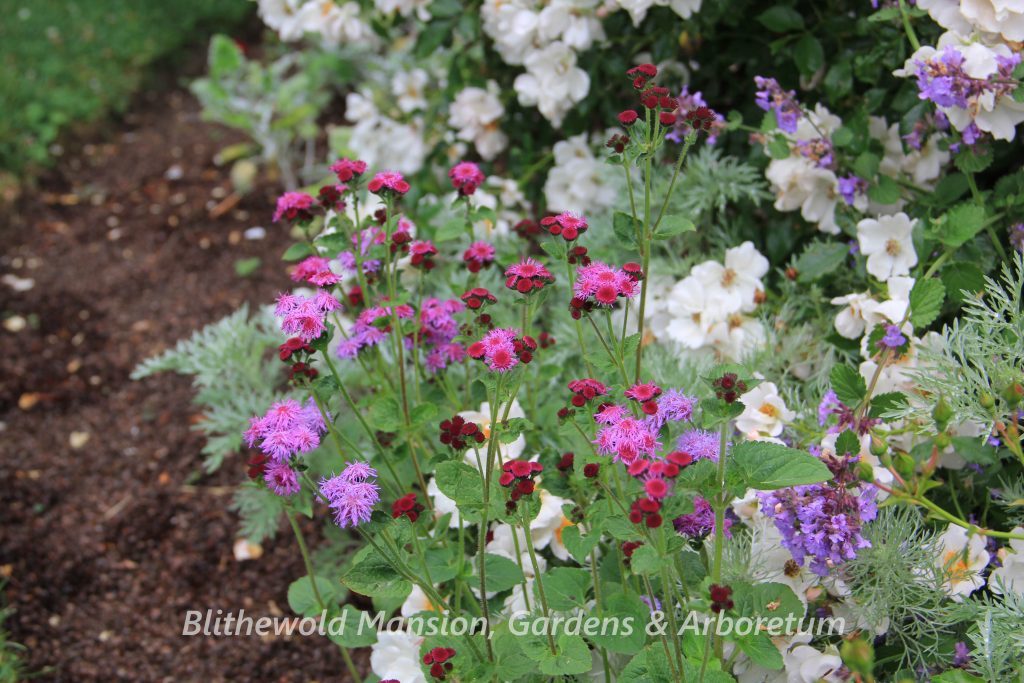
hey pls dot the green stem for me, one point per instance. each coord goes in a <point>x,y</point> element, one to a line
<point>905,16</point>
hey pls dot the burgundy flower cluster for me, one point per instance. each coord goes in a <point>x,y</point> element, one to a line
<point>645,511</point>
<point>297,346</point>
<point>518,476</point>
<point>502,349</point>
<point>653,97</point>
<point>466,177</point>
<point>407,506</point>
<point>728,387</point>
<point>439,661</point>
<point>721,598</point>
<point>568,225</point>
<point>456,432</point>
<point>529,275</point>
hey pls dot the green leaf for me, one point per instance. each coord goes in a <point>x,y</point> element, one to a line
<point>973,449</point>
<point>819,259</point>
<point>451,230</point>
<point>385,414</point>
<point>571,656</point>
<point>673,225</point>
<point>848,384</point>
<point>646,561</point>
<point>624,227</point>
<point>244,267</point>
<point>462,483</point>
<point>957,676</point>
<point>866,165</point>
<point>886,191</point>
<point>512,663</point>
<point>297,251</point>
<point>847,442</point>
<point>374,576</point>
<point>502,573</point>
<point>961,223</point>
<point>578,545</point>
<point>422,414</point>
<point>350,635</point>
<point>761,650</point>
<point>303,601</point>
<point>767,466</point>
<point>769,599</point>
<point>970,161</point>
<point>926,302</point>
<point>626,617</point>
<point>225,56</point>
<point>778,147</point>
<point>781,19</point>
<point>887,402</point>
<point>808,54</point>
<point>960,277</point>
<point>565,587</point>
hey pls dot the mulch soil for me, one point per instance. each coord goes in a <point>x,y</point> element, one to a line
<point>109,531</point>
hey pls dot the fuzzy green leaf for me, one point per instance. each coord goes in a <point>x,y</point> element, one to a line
<point>767,466</point>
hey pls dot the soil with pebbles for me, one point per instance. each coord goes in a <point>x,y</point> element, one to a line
<point>109,530</point>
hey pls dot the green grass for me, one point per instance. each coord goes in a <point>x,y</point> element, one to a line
<point>64,62</point>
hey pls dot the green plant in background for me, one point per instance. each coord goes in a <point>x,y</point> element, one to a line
<point>276,105</point>
<point>232,370</point>
<point>66,62</point>
<point>12,668</point>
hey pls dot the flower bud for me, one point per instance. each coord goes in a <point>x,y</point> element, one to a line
<point>987,400</point>
<point>942,414</point>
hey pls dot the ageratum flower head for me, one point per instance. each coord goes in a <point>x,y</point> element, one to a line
<point>352,494</point>
<point>295,206</point>
<point>478,256</point>
<point>529,275</point>
<point>466,177</point>
<point>287,428</point>
<point>347,169</point>
<point>568,225</point>
<point>388,183</point>
<point>304,316</point>
<point>315,270</point>
<point>603,285</point>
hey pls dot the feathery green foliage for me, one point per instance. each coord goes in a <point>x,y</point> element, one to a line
<point>233,373</point>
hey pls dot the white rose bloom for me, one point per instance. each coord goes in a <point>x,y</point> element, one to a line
<point>396,654</point>
<point>283,17</point>
<point>417,602</point>
<point>887,243</point>
<point>961,561</point>
<point>406,8</point>
<point>552,82</point>
<point>409,89</point>
<point>765,412</point>
<point>946,13</point>
<point>578,181</point>
<point>338,24</point>
<point>386,143</point>
<point>1005,17</point>
<point>805,664</point>
<point>1010,576</point>
<point>770,561</point>
<point>852,321</point>
<point>736,337</point>
<point>638,8</point>
<point>894,309</point>
<point>574,22</point>
<point>443,505</point>
<point>360,109</point>
<point>734,285</point>
<point>512,24</point>
<point>799,183</point>
<point>689,319</point>
<point>476,114</point>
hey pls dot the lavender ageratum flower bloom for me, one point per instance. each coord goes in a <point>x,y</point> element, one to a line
<point>700,522</point>
<point>700,444</point>
<point>281,479</point>
<point>673,406</point>
<point>351,494</point>
<point>822,522</point>
<point>828,406</point>
<point>893,339</point>
<point>287,428</point>
<point>771,97</point>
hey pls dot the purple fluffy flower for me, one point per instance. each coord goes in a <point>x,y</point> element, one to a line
<point>700,522</point>
<point>700,444</point>
<point>1017,236</point>
<point>351,494</point>
<point>287,428</point>
<point>822,523</point>
<point>627,438</point>
<point>281,479</point>
<point>673,406</point>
